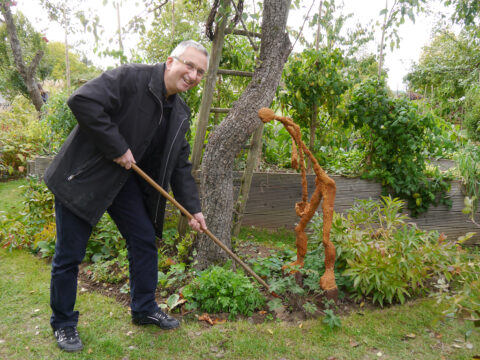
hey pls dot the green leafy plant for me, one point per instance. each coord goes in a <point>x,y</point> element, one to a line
<point>398,140</point>
<point>468,164</point>
<point>219,289</point>
<point>385,257</point>
<point>22,137</point>
<point>111,271</point>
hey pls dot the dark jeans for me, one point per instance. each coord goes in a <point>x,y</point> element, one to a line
<point>130,215</point>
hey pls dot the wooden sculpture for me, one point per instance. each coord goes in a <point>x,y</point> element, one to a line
<point>324,188</point>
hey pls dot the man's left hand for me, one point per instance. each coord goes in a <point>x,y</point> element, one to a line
<point>198,222</point>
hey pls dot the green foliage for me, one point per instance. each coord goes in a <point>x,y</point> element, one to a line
<point>468,164</point>
<point>11,83</point>
<point>219,289</point>
<point>34,228</point>
<point>277,145</point>
<point>398,140</point>
<point>446,71</point>
<point>313,77</point>
<point>462,296</point>
<point>111,271</point>
<point>21,137</point>
<point>386,258</point>
<point>472,113</point>
<point>59,119</point>
<point>53,65</point>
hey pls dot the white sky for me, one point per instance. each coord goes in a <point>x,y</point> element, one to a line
<point>413,36</point>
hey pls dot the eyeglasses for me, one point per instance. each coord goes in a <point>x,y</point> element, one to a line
<point>190,66</point>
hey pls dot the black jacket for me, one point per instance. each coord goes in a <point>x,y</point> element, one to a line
<point>121,109</point>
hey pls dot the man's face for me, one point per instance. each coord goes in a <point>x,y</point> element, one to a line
<point>185,71</point>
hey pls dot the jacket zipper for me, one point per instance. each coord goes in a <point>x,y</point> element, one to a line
<point>160,121</point>
<point>83,169</point>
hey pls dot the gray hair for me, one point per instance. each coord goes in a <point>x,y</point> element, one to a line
<point>180,48</point>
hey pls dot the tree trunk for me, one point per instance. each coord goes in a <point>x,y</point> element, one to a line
<point>382,40</point>
<point>228,138</point>
<point>26,72</point>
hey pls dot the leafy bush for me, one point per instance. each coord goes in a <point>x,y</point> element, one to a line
<point>385,257</point>
<point>472,113</point>
<point>468,164</point>
<point>219,289</point>
<point>398,141</point>
<point>111,271</point>
<point>22,136</point>
<point>59,118</point>
<point>34,227</point>
<point>462,296</point>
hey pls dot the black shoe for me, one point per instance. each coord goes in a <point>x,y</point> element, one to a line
<point>68,338</point>
<point>158,318</point>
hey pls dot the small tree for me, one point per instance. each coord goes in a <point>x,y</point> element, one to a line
<point>228,138</point>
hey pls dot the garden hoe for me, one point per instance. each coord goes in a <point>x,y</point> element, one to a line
<point>206,231</point>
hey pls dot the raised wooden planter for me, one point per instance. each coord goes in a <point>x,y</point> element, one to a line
<point>272,198</point>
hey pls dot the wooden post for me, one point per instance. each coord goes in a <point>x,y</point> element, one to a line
<point>255,150</point>
<point>207,98</point>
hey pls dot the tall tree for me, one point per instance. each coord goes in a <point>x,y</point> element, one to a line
<point>26,71</point>
<point>229,137</point>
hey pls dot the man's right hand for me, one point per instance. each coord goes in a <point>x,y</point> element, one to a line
<point>126,160</point>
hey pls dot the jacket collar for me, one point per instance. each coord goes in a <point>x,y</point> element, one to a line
<point>157,85</point>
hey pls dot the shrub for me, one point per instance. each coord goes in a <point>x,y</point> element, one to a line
<point>59,119</point>
<point>34,227</point>
<point>219,289</point>
<point>385,257</point>
<point>398,139</point>
<point>472,113</point>
<point>22,136</point>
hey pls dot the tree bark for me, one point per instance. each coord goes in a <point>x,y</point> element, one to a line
<point>26,72</point>
<point>229,137</point>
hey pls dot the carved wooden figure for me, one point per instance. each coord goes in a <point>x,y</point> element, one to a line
<point>324,188</point>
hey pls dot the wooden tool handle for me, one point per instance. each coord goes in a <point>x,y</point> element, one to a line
<point>206,231</point>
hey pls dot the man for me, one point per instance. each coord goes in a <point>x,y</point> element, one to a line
<point>126,115</point>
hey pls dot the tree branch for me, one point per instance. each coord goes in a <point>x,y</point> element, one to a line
<point>255,47</point>
<point>304,21</point>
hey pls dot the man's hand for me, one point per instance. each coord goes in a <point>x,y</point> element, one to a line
<point>198,222</point>
<point>126,160</point>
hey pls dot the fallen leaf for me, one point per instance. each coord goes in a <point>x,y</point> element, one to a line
<point>214,349</point>
<point>129,333</point>
<point>379,354</point>
<point>219,321</point>
<point>36,310</point>
<point>262,312</point>
<point>469,346</point>
<point>409,336</point>
<point>353,343</point>
<point>456,346</point>
<point>205,317</point>
<point>362,304</point>
<point>2,341</point>
<point>90,351</point>
<point>270,331</point>
<point>301,325</point>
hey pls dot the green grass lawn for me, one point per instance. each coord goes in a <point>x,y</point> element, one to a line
<point>410,331</point>
<point>9,195</point>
